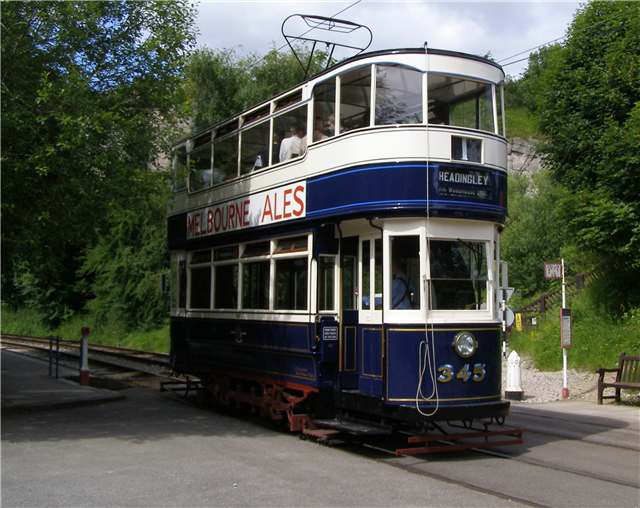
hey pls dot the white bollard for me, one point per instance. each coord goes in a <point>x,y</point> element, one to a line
<point>514,388</point>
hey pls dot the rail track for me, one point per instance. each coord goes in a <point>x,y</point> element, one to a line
<point>111,360</point>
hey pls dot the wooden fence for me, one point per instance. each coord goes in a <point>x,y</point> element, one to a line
<point>553,299</point>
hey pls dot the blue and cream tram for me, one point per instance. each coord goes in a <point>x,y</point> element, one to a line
<point>335,251</point>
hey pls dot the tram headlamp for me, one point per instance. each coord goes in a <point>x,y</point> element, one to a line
<point>465,344</point>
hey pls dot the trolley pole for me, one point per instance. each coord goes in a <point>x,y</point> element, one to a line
<point>84,357</point>
<point>565,388</point>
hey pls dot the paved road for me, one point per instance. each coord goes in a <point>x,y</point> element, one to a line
<point>149,450</point>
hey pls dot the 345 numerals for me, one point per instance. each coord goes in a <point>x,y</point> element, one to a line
<point>477,373</point>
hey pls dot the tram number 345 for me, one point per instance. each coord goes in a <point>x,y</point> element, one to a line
<point>465,373</point>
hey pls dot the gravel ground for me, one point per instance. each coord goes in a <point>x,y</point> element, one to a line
<point>547,386</point>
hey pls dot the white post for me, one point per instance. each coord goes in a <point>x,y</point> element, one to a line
<point>514,381</point>
<point>565,388</point>
<point>84,357</point>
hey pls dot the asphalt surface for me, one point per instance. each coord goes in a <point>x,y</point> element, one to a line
<point>63,445</point>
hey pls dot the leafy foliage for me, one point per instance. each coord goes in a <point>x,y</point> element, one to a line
<point>535,232</point>
<point>126,264</point>
<point>91,96</point>
<point>589,110</point>
<point>222,83</point>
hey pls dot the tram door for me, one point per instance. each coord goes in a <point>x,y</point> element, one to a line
<point>370,335</point>
<point>349,303</point>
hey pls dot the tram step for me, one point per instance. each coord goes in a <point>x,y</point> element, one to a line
<point>357,427</point>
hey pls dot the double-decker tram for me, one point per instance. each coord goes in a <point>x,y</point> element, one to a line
<point>335,255</point>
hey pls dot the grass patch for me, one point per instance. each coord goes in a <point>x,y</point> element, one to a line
<point>598,339</point>
<point>520,124</point>
<point>22,322</point>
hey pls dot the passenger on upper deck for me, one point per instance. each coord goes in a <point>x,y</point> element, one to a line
<point>290,147</point>
<point>318,134</point>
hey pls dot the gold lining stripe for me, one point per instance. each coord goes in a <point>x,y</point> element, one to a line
<point>446,400</point>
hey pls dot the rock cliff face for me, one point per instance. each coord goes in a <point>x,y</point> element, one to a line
<point>522,156</point>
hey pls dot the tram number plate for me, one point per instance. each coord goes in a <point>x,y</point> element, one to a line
<point>475,373</point>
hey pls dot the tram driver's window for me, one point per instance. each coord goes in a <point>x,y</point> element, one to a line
<point>405,272</point>
<point>200,280</point>
<point>459,275</point>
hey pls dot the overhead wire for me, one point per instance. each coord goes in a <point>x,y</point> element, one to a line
<point>565,37</point>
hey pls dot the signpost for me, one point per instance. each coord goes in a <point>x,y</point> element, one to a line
<point>556,271</point>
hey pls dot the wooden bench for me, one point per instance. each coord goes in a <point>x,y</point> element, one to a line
<point>627,376</point>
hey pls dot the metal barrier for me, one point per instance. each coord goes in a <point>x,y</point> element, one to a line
<point>57,339</point>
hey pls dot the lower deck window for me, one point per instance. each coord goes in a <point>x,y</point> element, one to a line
<point>255,285</point>
<point>291,284</point>
<point>226,287</point>
<point>200,296</point>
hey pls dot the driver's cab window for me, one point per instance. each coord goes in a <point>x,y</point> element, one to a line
<point>459,275</point>
<point>405,272</point>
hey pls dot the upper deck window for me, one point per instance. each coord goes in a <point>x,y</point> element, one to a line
<point>288,101</point>
<point>200,168</point>
<point>460,102</point>
<point>398,95</point>
<point>355,100</point>
<point>324,105</point>
<point>225,159</point>
<point>288,130</point>
<point>180,166</point>
<point>254,148</point>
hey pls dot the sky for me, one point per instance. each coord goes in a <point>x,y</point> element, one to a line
<point>504,28</point>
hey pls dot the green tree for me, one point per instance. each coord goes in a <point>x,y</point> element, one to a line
<point>589,111</point>
<point>91,98</point>
<point>222,83</point>
<point>535,232</point>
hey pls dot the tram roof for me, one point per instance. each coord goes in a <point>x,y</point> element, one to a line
<point>348,61</point>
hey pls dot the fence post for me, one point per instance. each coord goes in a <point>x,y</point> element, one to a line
<point>51,339</point>
<point>84,357</point>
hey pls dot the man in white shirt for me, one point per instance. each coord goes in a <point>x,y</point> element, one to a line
<point>290,147</point>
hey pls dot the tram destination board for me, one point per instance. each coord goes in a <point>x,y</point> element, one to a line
<point>457,182</point>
